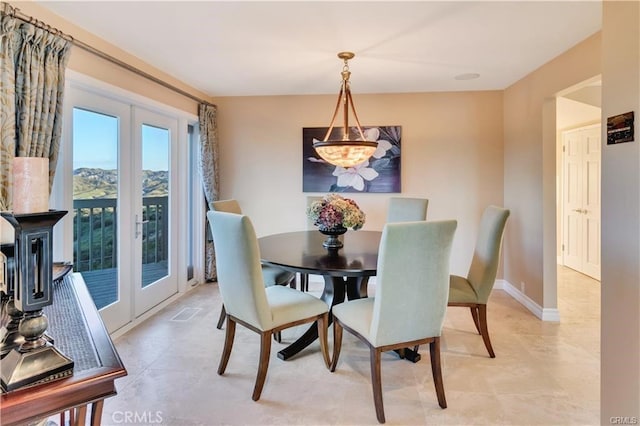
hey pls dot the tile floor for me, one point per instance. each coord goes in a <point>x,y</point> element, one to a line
<point>544,373</point>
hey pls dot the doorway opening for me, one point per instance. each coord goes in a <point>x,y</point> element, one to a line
<point>578,152</point>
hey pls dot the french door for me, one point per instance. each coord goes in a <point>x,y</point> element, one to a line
<point>124,239</point>
<point>155,148</point>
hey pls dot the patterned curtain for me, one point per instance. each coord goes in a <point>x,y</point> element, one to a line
<point>32,66</point>
<point>208,168</point>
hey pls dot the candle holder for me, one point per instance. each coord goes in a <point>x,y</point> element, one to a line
<point>4,297</point>
<point>35,359</point>
<point>9,336</point>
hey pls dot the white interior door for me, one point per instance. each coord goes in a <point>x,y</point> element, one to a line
<point>581,200</point>
<point>572,194</point>
<point>592,202</point>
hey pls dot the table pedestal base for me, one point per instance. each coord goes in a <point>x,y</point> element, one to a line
<point>335,289</point>
<point>408,354</point>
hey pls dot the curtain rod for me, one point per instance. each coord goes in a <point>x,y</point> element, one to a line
<point>18,14</point>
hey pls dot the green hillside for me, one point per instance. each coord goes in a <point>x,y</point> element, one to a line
<point>89,183</point>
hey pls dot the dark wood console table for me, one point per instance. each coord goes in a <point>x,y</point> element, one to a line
<point>78,332</point>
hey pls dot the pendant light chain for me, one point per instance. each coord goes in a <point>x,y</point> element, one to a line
<point>345,152</point>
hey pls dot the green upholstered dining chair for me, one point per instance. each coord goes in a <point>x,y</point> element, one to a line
<point>474,290</point>
<point>402,209</point>
<point>408,309</point>
<point>248,302</point>
<point>271,274</point>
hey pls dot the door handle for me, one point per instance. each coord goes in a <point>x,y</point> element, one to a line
<point>577,210</point>
<point>139,225</point>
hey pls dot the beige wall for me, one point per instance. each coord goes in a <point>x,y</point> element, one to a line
<point>91,65</point>
<point>620,341</point>
<point>452,154</point>
<point>573,114</point>
<point>530,169</point>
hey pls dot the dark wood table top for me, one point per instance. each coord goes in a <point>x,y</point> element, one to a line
<point>302,251</point>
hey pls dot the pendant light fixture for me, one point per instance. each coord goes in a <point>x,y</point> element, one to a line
<point>345,152</point>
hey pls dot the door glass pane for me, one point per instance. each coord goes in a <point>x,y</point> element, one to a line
<point>155,203</point>
<point>95,202</point>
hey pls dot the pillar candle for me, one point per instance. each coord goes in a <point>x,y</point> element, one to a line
<point>30,185</point>
<point>7,234</point>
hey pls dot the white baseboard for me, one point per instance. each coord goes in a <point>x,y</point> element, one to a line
<point>545,314</point>
<point>499,285</point>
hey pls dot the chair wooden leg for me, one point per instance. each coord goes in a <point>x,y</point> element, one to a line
<point>376,384</point>
<point>474,315</point>
<point>265,351</point>
<point>228,344</point>
<point>436,370</point>
<point>223,314</point>
<point>323,323</point>
<point>277,337</point>
<point>484,330</point>
<point>337,344</point>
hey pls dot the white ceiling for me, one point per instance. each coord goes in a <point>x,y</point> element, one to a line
<point>239,48</point>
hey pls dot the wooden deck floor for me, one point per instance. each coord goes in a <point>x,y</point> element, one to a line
<point>103,283</point>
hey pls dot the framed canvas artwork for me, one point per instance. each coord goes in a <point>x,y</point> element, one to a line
<point>381,173</point>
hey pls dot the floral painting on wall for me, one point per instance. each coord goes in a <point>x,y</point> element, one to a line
<point>381,173</point>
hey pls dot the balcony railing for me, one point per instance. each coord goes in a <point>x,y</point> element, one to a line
<point>95,232</point>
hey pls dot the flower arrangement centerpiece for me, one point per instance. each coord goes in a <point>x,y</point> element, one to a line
<point>333,215</point>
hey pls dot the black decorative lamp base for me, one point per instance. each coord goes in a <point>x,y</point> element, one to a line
<point>35,360</point>
<point>11,316</point>
<point>11,338</point>
<point>34,366</point>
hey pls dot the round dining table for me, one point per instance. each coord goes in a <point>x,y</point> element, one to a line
<point>346,270</point>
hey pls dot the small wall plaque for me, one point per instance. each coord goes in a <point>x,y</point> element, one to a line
<point>620,128</point>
